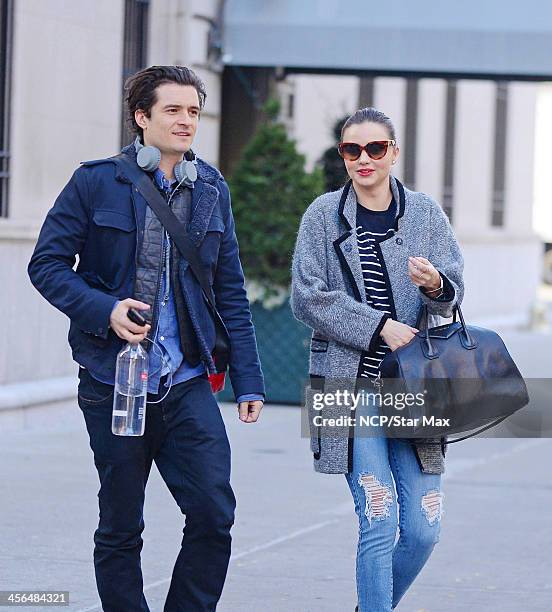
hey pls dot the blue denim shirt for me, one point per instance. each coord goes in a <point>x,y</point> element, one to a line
<point>167,336</point>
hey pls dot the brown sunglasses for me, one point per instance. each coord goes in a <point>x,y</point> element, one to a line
<point>376,149</point>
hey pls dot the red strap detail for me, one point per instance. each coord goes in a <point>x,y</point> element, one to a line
<point>217,381</point>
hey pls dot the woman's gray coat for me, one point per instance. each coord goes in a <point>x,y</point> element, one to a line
<point>328,295</point>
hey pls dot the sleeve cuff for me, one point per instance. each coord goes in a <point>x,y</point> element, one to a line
<point>102,316</point>
<point>448,291</point>
<point>376,335</point>
<point>250,397</point>
<point>114,306</point>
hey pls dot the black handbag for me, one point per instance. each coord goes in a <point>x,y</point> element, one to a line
<point>464,374</point>
<point>143,184</point>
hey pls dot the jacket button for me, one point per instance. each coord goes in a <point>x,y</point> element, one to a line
<point>348,248</point>
<point>398,240</point>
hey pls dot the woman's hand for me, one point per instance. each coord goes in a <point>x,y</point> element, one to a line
<point>423,274</point>
<point>397,334</point>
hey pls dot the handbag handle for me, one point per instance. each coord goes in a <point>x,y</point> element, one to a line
<point>430,352</point>
<point>466,340</point>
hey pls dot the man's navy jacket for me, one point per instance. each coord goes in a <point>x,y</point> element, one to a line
<point>100,216</point>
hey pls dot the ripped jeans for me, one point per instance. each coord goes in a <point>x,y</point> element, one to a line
<point>386,471</point>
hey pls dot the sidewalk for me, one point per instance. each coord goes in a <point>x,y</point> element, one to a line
<point>295,533</point>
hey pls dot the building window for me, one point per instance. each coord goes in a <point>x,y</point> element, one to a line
<point>450,144</point>
<point>410,134</point>
<point>6,48</point>
<point>135,48</point>
<point>499,171</point>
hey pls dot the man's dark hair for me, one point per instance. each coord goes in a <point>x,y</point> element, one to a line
<point>140,89</point>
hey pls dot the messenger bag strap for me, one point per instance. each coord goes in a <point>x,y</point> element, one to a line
<point>143,184</point>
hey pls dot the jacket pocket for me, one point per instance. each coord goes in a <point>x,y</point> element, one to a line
<point>96,281</point>
<point>210,245</point>
<point>114,219</point>
<point>216,224</point>
<point>318,356</point>
<point>319,345</point>
<point>112,243</point>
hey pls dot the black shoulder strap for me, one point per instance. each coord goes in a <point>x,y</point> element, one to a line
<point>143,184</point>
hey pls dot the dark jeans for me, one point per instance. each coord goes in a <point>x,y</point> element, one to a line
<point>186,437</point>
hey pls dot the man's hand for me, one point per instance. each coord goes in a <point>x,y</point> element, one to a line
<point>249,411</point>
<point>123,326</point>
<point>397,334</point>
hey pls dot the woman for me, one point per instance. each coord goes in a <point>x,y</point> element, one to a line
<point>367,257</point>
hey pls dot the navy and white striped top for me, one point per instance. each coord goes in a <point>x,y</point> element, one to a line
<point>373,226</point>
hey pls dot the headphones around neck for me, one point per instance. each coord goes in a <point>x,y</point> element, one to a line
<point>149,158</point>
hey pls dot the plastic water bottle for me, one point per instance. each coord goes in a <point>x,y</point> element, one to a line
<point>131,390</point>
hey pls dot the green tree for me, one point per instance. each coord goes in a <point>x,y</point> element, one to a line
<point>332,165</point>
<point>270,192</point>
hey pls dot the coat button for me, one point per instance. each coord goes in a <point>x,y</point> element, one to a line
<point>398,240</point>
<point>348,248</point>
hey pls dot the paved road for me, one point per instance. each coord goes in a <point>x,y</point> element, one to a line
<point>295,532</point>
<point>294,538</point>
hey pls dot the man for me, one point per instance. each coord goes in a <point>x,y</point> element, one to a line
<point>126,260</point>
